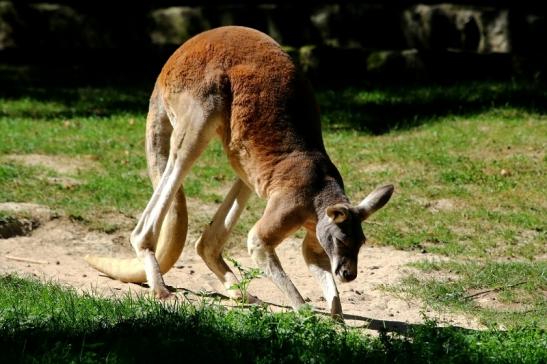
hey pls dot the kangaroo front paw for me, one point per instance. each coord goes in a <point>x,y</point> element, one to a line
<point>336,309</point>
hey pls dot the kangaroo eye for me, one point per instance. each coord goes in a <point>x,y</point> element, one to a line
<point>340,241</point>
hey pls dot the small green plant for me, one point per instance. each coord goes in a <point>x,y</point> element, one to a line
<point>247,275</point>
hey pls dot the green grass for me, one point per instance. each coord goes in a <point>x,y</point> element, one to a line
<point>499,293</point>
<point>445,143</point>
<point>460,160</point>
<point>443,146</point>
<point>46,323</point>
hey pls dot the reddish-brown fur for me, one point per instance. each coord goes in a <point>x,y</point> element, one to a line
<point>272,120</point>
<point>239,83</point>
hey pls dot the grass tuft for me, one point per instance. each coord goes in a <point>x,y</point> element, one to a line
<point>506,294</point>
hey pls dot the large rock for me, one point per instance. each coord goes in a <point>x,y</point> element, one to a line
<point>56,26</point>
<point>9,21</point>
<point>174,25</point>
<point>447,26</point>
<point>496,32</point>
<point>358,25</point>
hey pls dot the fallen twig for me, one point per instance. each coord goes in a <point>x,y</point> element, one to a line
<point>27,260</point>
<point>493,290</point>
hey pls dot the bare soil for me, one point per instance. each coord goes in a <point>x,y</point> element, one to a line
<point>63,165</point>
<point>54,251</point>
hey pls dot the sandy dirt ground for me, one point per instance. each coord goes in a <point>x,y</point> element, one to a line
<point>54,251</point>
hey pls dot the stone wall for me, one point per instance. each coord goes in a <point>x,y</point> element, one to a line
<point>330,41</point>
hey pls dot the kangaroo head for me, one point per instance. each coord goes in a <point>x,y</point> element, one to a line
<point>340,233</point>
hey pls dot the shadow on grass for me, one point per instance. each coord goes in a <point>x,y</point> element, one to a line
<point>49,92</point>
<point>48,323</point>
<point>203,335</point>
<point>380,109</point>
<point>369,323</point>
<point>79,92</point>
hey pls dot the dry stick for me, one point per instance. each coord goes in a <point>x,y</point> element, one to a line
<point>27,260</point>
<point>494,290</point>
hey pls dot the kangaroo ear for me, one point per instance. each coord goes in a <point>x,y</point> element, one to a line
<point>337,213</point>
<point>375,201</point>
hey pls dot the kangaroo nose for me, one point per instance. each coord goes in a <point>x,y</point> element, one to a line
<point>348,275</point>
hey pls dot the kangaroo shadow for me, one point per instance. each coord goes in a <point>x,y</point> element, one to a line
<point>368,323</point>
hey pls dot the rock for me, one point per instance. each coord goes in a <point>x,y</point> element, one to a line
<point>9,22</point>
<point>56,26</point>
<point>12,226</point>
<point>495,32</point>
<point>20,219</point>
<point>174,25</point>
<point>325,19</point>
<point>448,26</point>
<point>358,25</point>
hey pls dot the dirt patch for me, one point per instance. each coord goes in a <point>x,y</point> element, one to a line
<point>55,251</point>
<point>491,300</point>
<point>441,205</point>
<point>31,210</point>
<point>58,163</point>
<point>65,182</point>
<point>377,168</point>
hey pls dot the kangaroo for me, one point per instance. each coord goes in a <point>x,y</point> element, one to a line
<point>237,84</point>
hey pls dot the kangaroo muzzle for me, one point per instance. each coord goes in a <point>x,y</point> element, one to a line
<point>345,270</point>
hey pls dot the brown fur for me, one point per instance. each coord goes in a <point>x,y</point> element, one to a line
<point>240,84</point>
<point>272,121</point>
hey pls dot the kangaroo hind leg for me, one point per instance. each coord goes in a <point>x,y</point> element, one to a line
<point>192,130</point>
<point>211,243</point>
<point>175,224</point>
